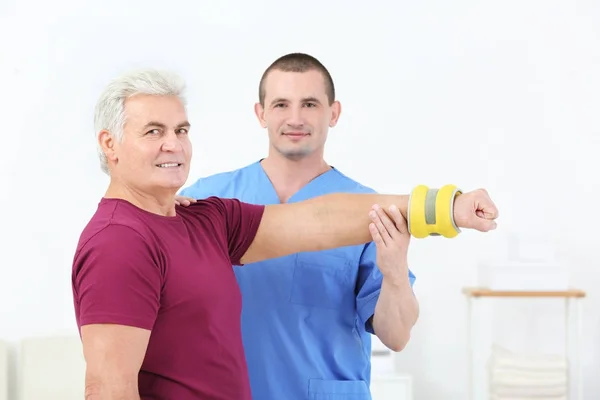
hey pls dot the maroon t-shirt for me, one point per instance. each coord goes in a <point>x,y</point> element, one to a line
<point>173,276</point>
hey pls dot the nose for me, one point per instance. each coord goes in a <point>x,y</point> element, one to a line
<point>171,142</point>
<point>295,118</point>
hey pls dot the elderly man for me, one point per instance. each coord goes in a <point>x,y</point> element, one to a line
<point>155,296</point>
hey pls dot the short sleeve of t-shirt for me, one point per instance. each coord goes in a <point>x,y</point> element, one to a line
<point>241,223</point>
<point>116,279</point>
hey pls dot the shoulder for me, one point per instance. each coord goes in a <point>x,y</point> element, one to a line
<point>113,241</point>
<point>216,184</point>
<point>206,214</point>
<point>218,207</point>
<point>116,249</point>
<point>114,226</point>
<point>204,206</point>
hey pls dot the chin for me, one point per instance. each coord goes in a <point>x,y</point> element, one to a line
<point>295,154</point>
<point>173,185</point>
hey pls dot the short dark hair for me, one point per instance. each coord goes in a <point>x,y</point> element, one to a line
<point>298,62</point>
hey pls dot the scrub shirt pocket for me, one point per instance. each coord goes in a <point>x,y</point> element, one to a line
<point>322,280</point>
<point>320,389</point>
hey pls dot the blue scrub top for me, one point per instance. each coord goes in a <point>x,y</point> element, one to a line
<point>305,317</point>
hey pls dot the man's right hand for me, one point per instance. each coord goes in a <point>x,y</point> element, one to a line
<point>184,201</point>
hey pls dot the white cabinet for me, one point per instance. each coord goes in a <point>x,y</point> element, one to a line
<point>391,387</point>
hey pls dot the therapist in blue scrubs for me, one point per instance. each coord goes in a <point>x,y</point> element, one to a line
<point>307,318</point>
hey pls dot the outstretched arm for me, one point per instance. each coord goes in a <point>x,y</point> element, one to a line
<point>338,220</point>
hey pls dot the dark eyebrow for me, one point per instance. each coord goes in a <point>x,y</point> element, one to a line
<point>304,100</point>
<point>184,124</point>
<point>311,100</point>
<point>278,100</point>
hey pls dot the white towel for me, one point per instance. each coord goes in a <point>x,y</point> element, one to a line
<point>503,352</point>
<point>531,378</point>
<point>528,365</point>
<point>503,358</point>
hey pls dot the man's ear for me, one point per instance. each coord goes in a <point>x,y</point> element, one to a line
<point>259,110</point>
<point>107,144</point>
<point>336,111</point>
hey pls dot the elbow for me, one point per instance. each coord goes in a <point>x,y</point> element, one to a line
<point>398,340</point>
<point>123,386</point>
<point>399,343</point>
<point>93,389</point>
<point>398,347</point>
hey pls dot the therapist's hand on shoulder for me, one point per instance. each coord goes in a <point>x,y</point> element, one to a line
<point>184,201</point>
<point>391,239</point>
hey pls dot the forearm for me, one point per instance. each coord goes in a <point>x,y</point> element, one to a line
<point>343,219</point>
<point>337,220</point>
<point>321,223</point>
<point>111,387</point>
<point>396,312</point>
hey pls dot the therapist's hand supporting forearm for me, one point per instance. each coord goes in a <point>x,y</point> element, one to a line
<point>397,308</point>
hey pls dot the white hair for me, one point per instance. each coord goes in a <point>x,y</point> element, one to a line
<point>110,109</point>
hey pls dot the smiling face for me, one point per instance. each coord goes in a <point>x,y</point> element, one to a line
<point>297,113</point>
<point>154,154</point>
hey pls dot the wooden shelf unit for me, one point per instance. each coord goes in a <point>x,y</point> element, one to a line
<point>474,293</point>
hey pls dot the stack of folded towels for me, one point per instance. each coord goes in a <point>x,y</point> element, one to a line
<point>527,377</point>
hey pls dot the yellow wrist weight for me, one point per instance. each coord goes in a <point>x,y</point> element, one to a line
<point>431,211</point>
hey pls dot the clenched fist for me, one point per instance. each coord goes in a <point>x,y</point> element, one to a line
<point>475,210</point>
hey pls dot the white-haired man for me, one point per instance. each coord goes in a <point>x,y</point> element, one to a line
<point>155,297</point>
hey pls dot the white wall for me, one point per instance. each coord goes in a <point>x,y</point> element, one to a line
<point>503,95</point>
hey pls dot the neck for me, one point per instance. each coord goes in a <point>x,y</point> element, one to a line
<point>288,176</point>
<point>162,204</point>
